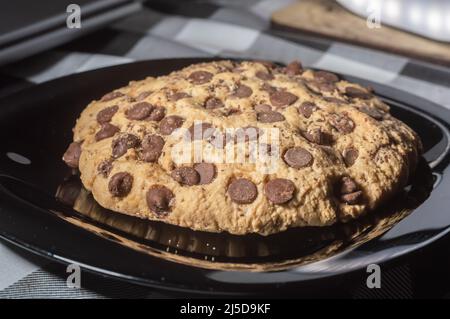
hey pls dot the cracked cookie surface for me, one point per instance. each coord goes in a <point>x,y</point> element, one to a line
<point>339,154</point>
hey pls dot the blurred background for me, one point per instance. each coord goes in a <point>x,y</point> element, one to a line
<point>52,38</point>
<point>402,44</point>
<point>419,28</point>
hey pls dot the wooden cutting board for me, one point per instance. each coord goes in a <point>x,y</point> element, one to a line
<point>327,18</point>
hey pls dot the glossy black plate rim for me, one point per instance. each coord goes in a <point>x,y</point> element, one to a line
<point>222,282</point>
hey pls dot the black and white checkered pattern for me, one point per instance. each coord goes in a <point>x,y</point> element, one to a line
<point>168,29</point>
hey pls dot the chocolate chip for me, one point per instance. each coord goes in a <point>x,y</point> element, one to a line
<point>186,176</point>
<point>348,185</point>
<point>106,114</point>
<point>323,76</point>
<point>205,131</point>
<point>200,77</point>
<point>317,136</point>
<point>242,191</point>
<point>111,96</point>
<point>248,133</point>
<point>342,123</point>
<point>160,200</point>
<point>170,124</point>
<point>307,108</point>
<point>121,145</point>
<point>152,146</point>
<point>352,198</point>
<point>298,157</point>
<point>145,111</point>
<point>279,190</point>
<point>268,88</point>
<point>72,155</point>
<point>139,111</point>
<point>219,140</point>
<point>143,95</point>
<point>106,130</point>
<point>372,112</point>
<point>357,93</point>
<point>243,91</point>
<point>349,192</point>
<point>350,156</point>
<point>270,117</point>
<point>213,103</point>
<point>282,98</point>
<point>263,108</point>
<point>200,131</point>
<point>120,184</point>
<point>294,68</point>
<point>207,172</point>
<point>313,87</point>
<point>320,87</point>
<point>178,96</point>
<point>104,168</point>
<point>265,76</point>
<point>157,114</point>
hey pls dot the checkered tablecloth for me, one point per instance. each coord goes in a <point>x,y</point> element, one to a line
<point>167,29</point>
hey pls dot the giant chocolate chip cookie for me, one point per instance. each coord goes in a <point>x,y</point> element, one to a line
<point>338,152</point>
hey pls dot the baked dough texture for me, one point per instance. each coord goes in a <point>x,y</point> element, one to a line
<point>339,153</point>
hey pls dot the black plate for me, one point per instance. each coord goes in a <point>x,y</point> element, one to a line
<point>35,129</point>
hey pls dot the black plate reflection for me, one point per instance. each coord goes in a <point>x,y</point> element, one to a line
<point>250,252</point>
<point>35,128</point>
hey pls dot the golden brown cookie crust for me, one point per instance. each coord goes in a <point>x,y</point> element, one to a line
<point>359,155</point>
